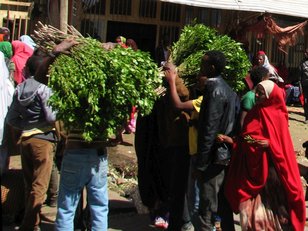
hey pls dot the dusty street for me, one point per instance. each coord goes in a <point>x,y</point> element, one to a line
<point>123,215</point>
<point>297,127</point>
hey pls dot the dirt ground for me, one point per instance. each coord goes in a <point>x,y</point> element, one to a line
<point>298,128</point>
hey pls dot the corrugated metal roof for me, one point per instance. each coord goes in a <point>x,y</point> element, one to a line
<point>296,8</point>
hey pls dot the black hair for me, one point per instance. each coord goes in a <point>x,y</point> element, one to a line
<point>217,59</point>
<point>257,74</point>
<point>33,63</point>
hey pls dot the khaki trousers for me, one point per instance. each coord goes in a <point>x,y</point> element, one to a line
<point>36,159</point>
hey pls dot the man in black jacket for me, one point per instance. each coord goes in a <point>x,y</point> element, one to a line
<point>303,70</point>
<point>217,116</point>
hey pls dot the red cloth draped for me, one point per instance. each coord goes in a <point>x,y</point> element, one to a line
<point>21,53</point>
<point>249,164</point>
<point>284,36</point>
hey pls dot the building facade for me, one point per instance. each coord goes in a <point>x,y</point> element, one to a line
<point>149,21</point>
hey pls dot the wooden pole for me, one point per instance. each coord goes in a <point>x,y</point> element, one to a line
<point>26,26</point>
<point>19,27</point>
<point>63,15</point>
<point>13,30</point>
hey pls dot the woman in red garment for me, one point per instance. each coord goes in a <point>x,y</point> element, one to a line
<point>263,182</point>
<point>21,53</point>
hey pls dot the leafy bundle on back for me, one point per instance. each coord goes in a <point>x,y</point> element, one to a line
<point>195,40</point>
<point>94,88</point>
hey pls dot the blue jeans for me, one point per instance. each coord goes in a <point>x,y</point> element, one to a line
<point>83,168</point>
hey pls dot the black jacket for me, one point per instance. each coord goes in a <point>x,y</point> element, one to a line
<point>217,116</point>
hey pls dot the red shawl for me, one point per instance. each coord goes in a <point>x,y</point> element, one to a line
<point>284,36</point>
<point>21,53</point>
<point>249,165</point>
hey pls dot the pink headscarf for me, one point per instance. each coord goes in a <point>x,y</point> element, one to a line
<point>21,53</point>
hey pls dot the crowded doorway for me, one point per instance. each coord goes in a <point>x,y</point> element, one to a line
<point>143,34</point>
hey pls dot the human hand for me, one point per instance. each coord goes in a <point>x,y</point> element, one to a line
<point>170,72</point>
<point>220,138</point>
<point>262,143</point>
<point>64,46</point>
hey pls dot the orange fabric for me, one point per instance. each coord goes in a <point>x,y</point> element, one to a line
<point>2,37</point>
<point>248,170</point>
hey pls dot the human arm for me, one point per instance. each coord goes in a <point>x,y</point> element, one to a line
<point>224,139</point>
<point>243,115</point>
<point>171,75</point>
<point>247,103</point>
<point>44,93</point>
<point>11,68</point>
<point>63,48</point>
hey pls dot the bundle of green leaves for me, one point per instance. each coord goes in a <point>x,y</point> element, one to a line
<point>94,89</point>
<point>197,39</point>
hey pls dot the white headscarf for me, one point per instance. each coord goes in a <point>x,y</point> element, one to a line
<point>273,73</point>
<point>6,93</point>
<point>28,40</point>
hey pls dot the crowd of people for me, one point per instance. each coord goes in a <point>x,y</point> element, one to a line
<point>234,158</point>
<point>203,153</point>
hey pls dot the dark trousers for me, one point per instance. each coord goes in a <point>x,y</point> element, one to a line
<point>212,199</point>
<point>53,187</point>
<point>178,168</point>
<point>305,93</point>
<point>36,159</point>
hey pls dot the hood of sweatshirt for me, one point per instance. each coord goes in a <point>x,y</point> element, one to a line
<point>26,91</point>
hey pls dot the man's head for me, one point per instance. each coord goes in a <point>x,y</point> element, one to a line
<point>32,65</point>
<point>212,64</point>
<point>258,74</point>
